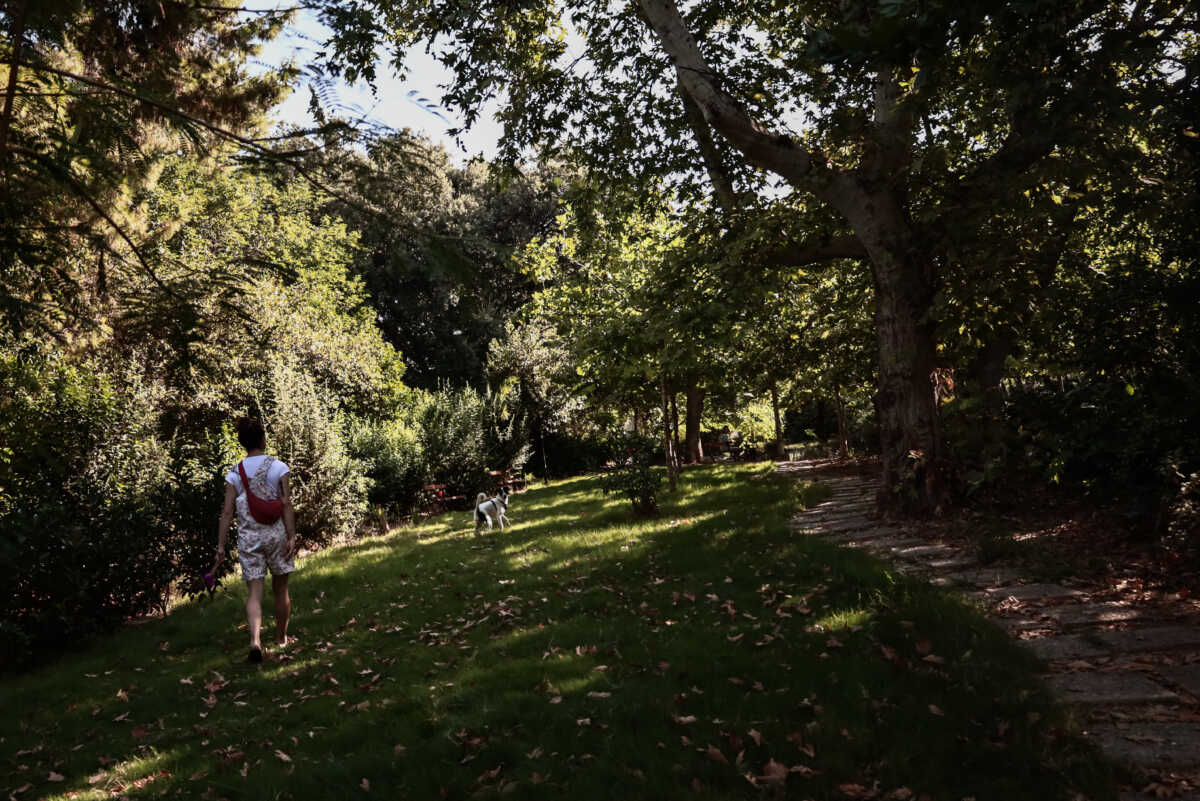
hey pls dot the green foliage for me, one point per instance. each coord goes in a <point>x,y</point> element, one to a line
<point>436,241</point>
<point>395,464</point>
<point>81,547</point>
<point>104,92</point>
<point>305,429</point>
<point>1183,531</point>
<point>635,476</point>
<point>451,430</point>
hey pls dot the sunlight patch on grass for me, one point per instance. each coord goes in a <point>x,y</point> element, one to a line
<point>130,776</point>
<point>844,619</point>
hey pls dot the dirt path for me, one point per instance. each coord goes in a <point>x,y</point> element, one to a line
<point>1130,668</point>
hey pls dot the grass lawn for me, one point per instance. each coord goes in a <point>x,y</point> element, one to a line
<point>710,653</point>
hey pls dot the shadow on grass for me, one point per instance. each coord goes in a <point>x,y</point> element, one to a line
<point>580,653</point>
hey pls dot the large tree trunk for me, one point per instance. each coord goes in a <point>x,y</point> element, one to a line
<point>840,408</point>
<point>870,198</point>
<point>779,449</point>
<point>914,474</point>
<point>691,436</point>
<point>10,91</point>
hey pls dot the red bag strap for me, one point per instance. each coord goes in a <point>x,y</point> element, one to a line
<point>245,481</point>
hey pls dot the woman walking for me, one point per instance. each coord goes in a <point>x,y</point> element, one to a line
<point>257,488</point>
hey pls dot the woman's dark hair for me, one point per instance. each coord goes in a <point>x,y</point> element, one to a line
<point>251,434</point>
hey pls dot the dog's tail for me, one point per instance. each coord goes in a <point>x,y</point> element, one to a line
<point>480,517</point>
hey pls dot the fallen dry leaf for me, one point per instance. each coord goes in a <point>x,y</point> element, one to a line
<point>281,756</point>
<point>755,735</point>
<point>366,785</point>
<point>55,777</point>
<point>714,753</point>
<point>935,709</point>
<point>774,773</point>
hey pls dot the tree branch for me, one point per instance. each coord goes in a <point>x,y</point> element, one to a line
<point>18,37</point>
<point>81,190</point>
<point>798,254</point>
<point>768,150</point>
<point>255,145</point>
<point>722,183</point>
<point>894,123</point>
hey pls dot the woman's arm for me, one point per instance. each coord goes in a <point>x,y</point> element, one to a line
<point>223,526</point>
<point>289,514</point>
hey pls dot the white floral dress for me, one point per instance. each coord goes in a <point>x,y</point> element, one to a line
<point>261,547</point>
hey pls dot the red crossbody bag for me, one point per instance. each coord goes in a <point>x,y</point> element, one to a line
<point>264,511</point>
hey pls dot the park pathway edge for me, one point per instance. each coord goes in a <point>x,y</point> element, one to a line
<point>1130,673</point>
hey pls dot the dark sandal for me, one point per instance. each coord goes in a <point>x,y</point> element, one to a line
<point>255,657</point>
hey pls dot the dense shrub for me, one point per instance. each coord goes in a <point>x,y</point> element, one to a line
<point>505,428</point>
<point>1109,437</point>
<point>395,465</point>
<point>81,547</point>
<point>305,429</point>
<point>452,439</point>
<point>187,500</point>
<point>82,565</point>
<point>1182,537</point>
<point>635,476</point>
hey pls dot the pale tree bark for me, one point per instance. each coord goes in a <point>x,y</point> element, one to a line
<point>840,409</point>
<point>675,425</point>
<point>722,183</point>
<point>668,440</point>
<point>774,152</point>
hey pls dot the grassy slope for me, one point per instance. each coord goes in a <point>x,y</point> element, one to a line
<point>566,656</point>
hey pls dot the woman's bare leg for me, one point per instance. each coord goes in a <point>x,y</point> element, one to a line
<point>283,607</point>
<point>254,611</point>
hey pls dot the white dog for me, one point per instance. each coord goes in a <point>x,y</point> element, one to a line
<point>488,510</point>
